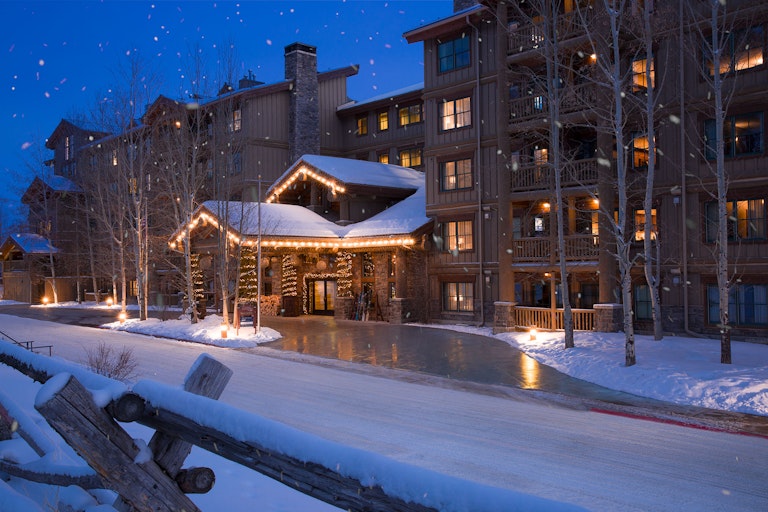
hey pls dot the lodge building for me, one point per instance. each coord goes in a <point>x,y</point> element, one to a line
<point>435,202</point>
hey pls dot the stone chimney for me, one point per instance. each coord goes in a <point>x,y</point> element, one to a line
<point>304,111</point>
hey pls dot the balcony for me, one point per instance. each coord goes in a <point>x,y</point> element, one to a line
<point>574,98</point>
<point>539,177</point>
<point>546,250</point>
<point>524,36</point>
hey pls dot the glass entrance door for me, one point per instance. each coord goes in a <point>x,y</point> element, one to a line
<point>322,297</point>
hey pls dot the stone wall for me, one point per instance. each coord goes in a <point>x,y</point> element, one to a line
<point>609,317</point>
<point>304,110</point>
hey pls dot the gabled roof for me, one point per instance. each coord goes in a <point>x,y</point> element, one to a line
<point>27,243</point>
<point>66,127</point>
<point>444,26</point>
<point>54,183</point>
<point>341,173</point>
<point>287,225</point>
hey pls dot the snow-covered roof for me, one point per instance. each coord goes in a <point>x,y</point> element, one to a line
<point>346,172</point>
<point>288,221</point>
<point>387,96</point>
<point>284,220</point>
<point>403,218</point>
<point>32,243</point>
<point>61,184</point>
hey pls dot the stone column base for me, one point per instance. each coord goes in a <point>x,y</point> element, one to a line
<point>503,317</point>
<point>609,317</point>
<point>344,308</point>
<point>402,311</point>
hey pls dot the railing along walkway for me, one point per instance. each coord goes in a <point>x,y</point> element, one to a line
<point>552,319</point>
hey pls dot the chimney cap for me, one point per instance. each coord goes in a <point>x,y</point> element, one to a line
<point>300,47</point>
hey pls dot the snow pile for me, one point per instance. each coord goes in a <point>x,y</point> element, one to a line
<point>207,331</point>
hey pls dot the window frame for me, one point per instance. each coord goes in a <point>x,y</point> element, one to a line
<point>459,118</point>
<point>410,113</point>
<point>463,179</point>
<point>731,136</point>
<point>458,235</point>
<point>382,120</point>
<point>361,124</point>
<point>639,78</point>
<point>732,55</point>
<point>411,152</point>
<point>740,312</point>
<point>755,228</point>
<point>450,58</point>
<point>451,293</point>
<point>641,299</point>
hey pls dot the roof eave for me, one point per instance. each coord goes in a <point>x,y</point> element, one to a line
<point>444,26</point>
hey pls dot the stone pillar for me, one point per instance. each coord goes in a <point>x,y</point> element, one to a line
<point>503,317</point>
<point>304,111</point>
<point>401,274</point>
<point>608,317</point>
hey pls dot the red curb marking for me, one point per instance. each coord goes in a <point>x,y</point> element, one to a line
<point>676,422</point>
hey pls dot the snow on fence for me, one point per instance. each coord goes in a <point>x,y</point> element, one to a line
<point>83,408</point>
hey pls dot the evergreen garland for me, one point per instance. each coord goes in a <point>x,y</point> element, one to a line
<point>289,274</point>
<point>344,274</point>
<point>197,278</point>
<point>249,275</point>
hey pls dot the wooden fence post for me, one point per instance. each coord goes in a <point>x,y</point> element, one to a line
<point>110,451</point>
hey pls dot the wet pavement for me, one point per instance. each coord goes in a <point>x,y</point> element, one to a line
<point>458,356</point>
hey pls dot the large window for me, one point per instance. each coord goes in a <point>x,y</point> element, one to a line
<point>237,120</point>
<point>742,49</point>
<point>453,54</point>
<point>458,297</point>
<point>643,309</point>
<point>456,174</point>
<point>455,113</point>
<point>742,135</point>
<point>746,220</point>
<point>457,236</point>
<point>641,79</point>
<point>410,157</point>
<point>747,304</point>
<point>362,125</point>
<point>383,158</point>
<point>409,115</point>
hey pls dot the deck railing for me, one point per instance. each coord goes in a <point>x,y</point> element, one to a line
<point>540,249</point>
<point>535,104</point>
<point>525,36</point>
<point>537,177</point>
<point>549,319</point>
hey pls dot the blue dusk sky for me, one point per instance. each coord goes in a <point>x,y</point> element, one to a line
<point>59,57</point>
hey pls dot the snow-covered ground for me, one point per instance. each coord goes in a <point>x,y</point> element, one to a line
<point>573,457</point>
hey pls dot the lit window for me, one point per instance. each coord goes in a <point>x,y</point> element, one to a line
<point>640,218</point>
<point>458,297</point>
<point>114,157</point>
<point>641,79</point>
<point>640,149</point>
<point>453,54</point>
<point>742,135</point>
<point>237,120</point>
<point>746,220</point>
<point>456,174</point>
<point>362,125</point>
<point>383,158</point>
<point>410,157</point>
<point>383,118</point>
<point>742,49</point>
<point>409,115</point>
<point>455,113</point>
<point>457,235</point>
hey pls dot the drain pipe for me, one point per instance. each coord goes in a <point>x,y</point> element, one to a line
<point>478,173</point>
<point>683,180</point>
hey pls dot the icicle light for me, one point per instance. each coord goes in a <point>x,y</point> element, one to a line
<point>304,171</point>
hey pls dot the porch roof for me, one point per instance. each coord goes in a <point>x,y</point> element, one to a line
<point>286,225</point>
<point>27,243</point>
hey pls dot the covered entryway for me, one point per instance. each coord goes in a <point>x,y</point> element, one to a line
<point>322,296</point>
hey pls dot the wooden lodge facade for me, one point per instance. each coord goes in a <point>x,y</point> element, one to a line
<point>475,133</point>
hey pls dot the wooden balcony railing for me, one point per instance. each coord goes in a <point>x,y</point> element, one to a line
<point>552,319</point>
<point>538,177</point>
<point>573,98</point>
<point>524,36</point>
<point>545,249</point>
